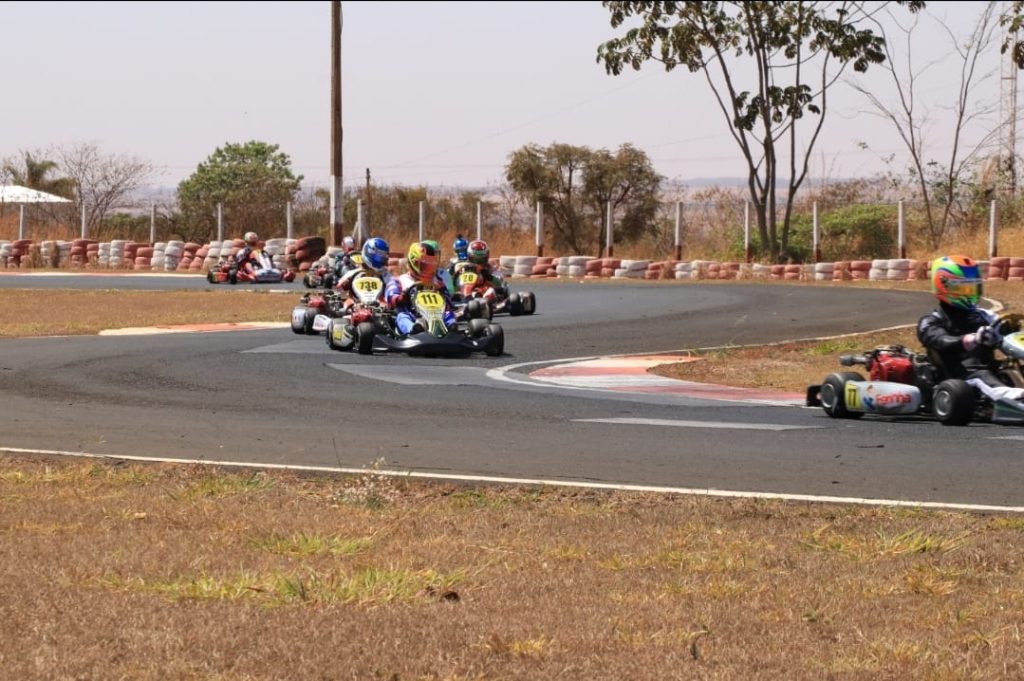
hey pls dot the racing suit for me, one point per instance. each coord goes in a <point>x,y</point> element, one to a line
<point>345,283</point>
<point>942,333</point>
<point>343,264</point>
<point>396,295</point>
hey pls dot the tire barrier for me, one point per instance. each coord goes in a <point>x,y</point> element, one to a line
<point>301,254</point>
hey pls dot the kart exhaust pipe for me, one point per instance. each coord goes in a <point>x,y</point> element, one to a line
<point>852,360</point>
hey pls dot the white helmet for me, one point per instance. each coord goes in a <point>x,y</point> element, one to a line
<point>251,238</point>
<point>348,243</point>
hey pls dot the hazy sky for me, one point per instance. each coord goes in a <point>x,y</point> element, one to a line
<point>434,93</point>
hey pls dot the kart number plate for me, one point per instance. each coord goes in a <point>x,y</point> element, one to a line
<point>367,285</point>
<point>430,301</point>
<point>468,278</point>
<point>853,397</point>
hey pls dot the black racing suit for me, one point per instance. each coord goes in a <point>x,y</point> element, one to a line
<point>942,333</point>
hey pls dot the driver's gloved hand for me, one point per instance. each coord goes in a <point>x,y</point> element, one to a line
<point>988,336</point>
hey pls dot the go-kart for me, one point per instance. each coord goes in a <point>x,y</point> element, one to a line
<point>322,275</point>
<point>436,338</point>
<point>314,310</point>
<point>258,268</point>
<point>355,327</point>
<point>905,383</point>
<point>496,299</point>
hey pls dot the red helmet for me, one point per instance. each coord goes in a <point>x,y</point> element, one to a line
<point>478,252</point>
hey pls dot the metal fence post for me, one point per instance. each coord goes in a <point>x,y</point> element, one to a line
<point>359,222</point>
<point>289,220</point>
<point>479,220</point>
<point>815,243</point>
<point>84,229</point>
<point>220,222</point>
<point>21,222</point>
<point>152,224</point>
<point>747,253</point>
<point>422,218</point>
<point>610,244</point>
<point>679,230</point>
<point>901,241</point>
<point>540,229</point>
<point>993,227</point>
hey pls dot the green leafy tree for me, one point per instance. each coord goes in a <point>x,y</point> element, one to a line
<point>769,65</point>
<point>37,173</point>
<point>576,184</point>
<point>253,181</point>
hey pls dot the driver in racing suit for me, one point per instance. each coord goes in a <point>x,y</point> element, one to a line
<point>479,256</point>
<point>959,336</point>
<point>343,259</point>
<point>421,272</point>
<point>375,264</point>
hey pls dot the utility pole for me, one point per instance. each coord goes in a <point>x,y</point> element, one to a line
<point>337,199</point>
<point>365,234</point>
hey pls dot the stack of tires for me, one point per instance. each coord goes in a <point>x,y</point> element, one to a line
<point>572,265</point>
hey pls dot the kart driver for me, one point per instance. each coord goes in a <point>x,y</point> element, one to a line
<point>479,255</point>
<point>343,259</point>
<point>248,252</point>
<point>421,273</point>
<point>958,335</point>
<point>461,259</point>
<point>375,264</point>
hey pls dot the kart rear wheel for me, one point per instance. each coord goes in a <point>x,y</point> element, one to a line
<point>477,327</point>
<point>475,309</point>
<point>515,304</point>
<point>833,395</point>
<point>211,277</point>
<point>298,320</point>
<point>365,333</point>
<point>529,302</point>
<point>497,345</point>
<point>953,402</point>
<point>307,322</point>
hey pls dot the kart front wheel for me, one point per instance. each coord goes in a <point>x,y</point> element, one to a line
<point>497,345</point>
<point>953,402</point>
<point>515,304</point>
<point>307,321</point>
<point>364,334</point>
<point>833,395</point>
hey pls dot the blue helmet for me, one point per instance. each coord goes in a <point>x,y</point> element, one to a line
<point>375,253</point>
<point>461,247</point>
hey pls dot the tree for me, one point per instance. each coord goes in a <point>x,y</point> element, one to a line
<point>253,181</point>
<point>938,183</point>
<point>577,183</point>
<point>101,181</point>
<point>36,172</point>
<point>793,51</point>
<point>1013,20</point>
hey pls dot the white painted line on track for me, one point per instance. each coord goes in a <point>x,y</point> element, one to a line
<point>695,424</point>
<point>729,494</point>
<point>1007,437</point>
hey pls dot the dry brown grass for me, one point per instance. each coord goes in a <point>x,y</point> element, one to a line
<point>791,367</point>
<point>69,313</point>
<point>158,572</point>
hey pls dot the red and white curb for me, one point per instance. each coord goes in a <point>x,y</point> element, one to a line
<point>630,374</point>
<point>195,328</point>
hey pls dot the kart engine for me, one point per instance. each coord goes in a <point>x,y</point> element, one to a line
<point>889,366</point>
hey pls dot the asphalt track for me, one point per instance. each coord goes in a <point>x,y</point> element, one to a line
<point>270,397</point>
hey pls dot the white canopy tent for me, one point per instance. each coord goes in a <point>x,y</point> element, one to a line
<point>16,194</point>
<point>12,193</point>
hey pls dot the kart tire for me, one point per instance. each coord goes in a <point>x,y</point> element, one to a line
<point>529,302</point>
<point>211,277</point>
<point>330,334</point>
<point>953,402</point>
<point>307,281</point>
<point>833,395</point>
<point>233,277</point>
<point>515,304</point>
<point>301,327</point>
<point>497,346</point>
<point>364,337</point>
<point>477,327</point>
<point>308,319</point>
<point>475,309</point>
